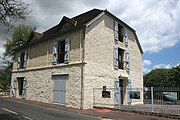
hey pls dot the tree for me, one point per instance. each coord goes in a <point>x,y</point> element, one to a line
<point>5,78</point>
<point>12,10</point>
<point>163,77</point>
<point>156,78</point>
<point>20,36</point>
<point>174,75</point>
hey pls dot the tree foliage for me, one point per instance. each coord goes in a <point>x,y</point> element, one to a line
<point>20,35</point>
<point>163,77</point>
<point>5,78</point>
<point>12,10</point>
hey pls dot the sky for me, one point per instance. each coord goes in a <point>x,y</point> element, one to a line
<point>157,24</point>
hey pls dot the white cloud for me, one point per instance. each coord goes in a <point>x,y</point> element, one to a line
<point>178,64</point>
<point>146,64</point>
<point>156,22</point>
<point>146,70</point>
<point>166,66</point>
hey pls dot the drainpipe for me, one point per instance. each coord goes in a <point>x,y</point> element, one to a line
<point>82,37</point>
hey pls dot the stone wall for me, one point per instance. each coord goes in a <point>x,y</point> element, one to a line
<point>99,70</point>
<point>40,83</point>
<point>40,54</point>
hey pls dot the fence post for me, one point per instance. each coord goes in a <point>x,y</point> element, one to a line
<point>152,99</point>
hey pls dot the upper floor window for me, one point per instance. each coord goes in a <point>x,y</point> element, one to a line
<point>61,51</point>
<point>22,60</point>
<point>121,33</point>
<point>118,58</point>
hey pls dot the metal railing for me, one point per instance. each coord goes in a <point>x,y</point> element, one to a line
<point>163,100</point>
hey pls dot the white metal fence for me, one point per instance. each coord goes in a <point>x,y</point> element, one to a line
<point>164,100</point>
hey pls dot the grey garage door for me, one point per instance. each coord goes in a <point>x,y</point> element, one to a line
<point>59,89</point>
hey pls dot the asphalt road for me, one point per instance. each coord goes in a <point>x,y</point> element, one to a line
<point>10,110</point>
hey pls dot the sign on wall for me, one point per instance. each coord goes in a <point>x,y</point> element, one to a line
<point>134,94</point>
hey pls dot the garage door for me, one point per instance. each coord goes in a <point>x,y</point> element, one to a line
<point>59,89</point>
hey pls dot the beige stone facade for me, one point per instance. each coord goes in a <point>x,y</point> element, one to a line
<point>99,70</point>
<point>90,65</point>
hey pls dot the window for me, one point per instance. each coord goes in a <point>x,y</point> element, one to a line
<point>61,51</point>
<point>120,58</point>
<point>22,60</point>
<point>120,33</point>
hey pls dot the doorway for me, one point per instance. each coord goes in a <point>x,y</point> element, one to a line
<point>20,81</point>
<point>122,85</point>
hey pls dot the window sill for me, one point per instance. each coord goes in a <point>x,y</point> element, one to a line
<point>47,67</point>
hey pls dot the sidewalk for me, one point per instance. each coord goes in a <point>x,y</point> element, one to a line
<point>109,114</point>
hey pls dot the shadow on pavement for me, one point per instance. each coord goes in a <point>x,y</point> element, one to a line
<point>10,117</point>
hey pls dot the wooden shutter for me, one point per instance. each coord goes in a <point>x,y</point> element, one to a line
<point>116,92</point>
<point>25,59</point>
<point>19,61</point>
<point>129,91</point>
<point>14,87</point>
<point>55,53</point>
<point>116,57</point>
<point>67,50</point>
<point>127,56</point>
<point>24,88</point>
<point>126,36</point>
<point>127,66</point>
<point>116,36</point>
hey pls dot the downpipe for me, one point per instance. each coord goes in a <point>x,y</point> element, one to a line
<point>82,64</point>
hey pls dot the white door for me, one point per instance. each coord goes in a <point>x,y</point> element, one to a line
<point>59,89</point>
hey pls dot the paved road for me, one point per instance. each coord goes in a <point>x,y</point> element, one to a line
<point>10,110</point>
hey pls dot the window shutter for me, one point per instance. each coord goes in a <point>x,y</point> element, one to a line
<point>116,36</point>
<point>67,50</point>
<point>14,86</point>
<point>116,57</point>
<point>129,92</point>
<point>25,59</point>
<point>127,56</point>
<point>126,36</point>
<point>116,92</point>
<point>19,61</point>
<point>55,53</point>
<point>127,66</point>
<point>24,88</point>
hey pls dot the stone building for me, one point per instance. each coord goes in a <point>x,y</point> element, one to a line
<point>64,64</point>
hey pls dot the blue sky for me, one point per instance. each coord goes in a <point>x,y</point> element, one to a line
<point>166,58</point>
<point>157,24</point>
